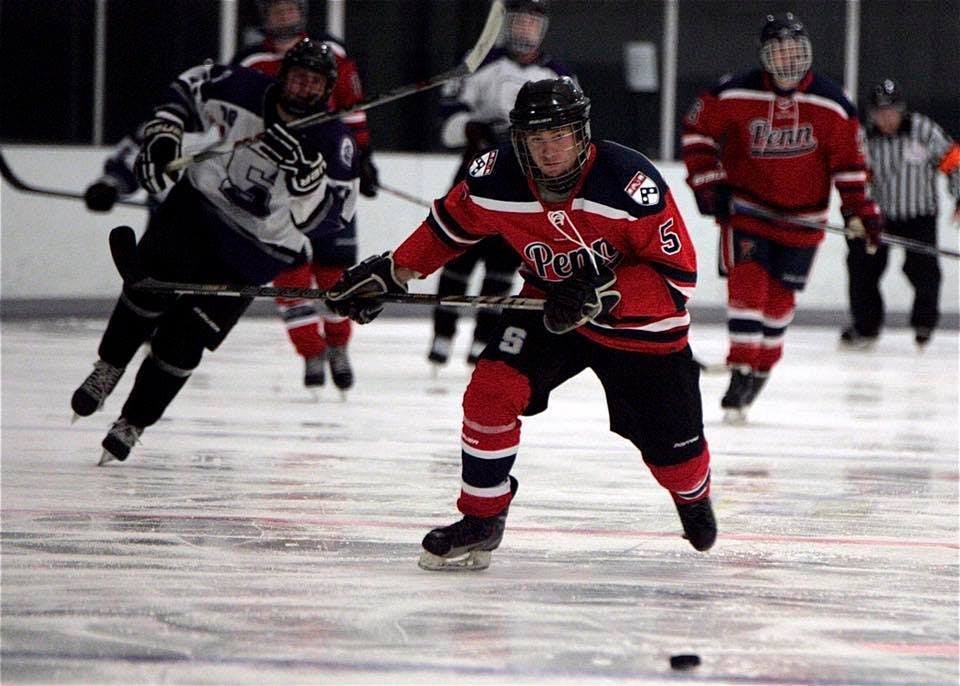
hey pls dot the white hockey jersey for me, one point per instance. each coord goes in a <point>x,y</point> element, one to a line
<point>245,187</point>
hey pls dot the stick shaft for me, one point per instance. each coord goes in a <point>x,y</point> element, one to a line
<point>470,63</point>
<point>889,239</point>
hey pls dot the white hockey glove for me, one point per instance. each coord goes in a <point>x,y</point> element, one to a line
<point>355,294</point>
<point>304,170</point>
<point>162,143</point>
<point>579,299</point>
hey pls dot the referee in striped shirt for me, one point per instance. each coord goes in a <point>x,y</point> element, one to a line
<point>905,151</point>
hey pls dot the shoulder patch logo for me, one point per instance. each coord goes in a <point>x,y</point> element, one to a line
<point>643,190</point>
<point>483,165</point>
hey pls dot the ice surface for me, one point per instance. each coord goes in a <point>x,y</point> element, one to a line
<point>260,536</point>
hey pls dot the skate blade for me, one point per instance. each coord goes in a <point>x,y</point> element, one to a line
<point>106,458</point>
<point>474,561</point>
<point>735,416</point>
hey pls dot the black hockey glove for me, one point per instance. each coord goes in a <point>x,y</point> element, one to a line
<point>712,194</point>
<point>304,169</point>
<point>865,223</point>
<point>579,299</point>
<point>162,142</point>
<point>355,294</point>
<point>369,175</point>
<point>100,196</point>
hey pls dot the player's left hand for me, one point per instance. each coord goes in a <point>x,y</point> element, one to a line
<point>369,175</point>
<point>162,143</point>
<point>355,294</point>
<point>579,299</point>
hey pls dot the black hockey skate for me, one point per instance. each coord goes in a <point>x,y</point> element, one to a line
<point>465,545</point>
<point>852,339</point>
<point>745,385</point>
<point>340,368</point>
<point>120,441</point>
<point>440,350</point>
<point>699,524</point>
<point>314,371</point>
<point>93,392</point>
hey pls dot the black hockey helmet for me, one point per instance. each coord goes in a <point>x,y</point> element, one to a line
<point>544,106</point>
<point>317,57</point>
<point>785,50</point>
<point>887,93</point>
<point>283,19</point>
<point>525,25</point>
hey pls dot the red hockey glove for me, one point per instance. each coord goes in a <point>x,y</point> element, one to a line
<point>579,299</point>
<point>865,223</point>
<point>712,193</point>
<point>355,294</point>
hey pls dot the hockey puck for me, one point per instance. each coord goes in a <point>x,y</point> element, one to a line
<point>684,661</point>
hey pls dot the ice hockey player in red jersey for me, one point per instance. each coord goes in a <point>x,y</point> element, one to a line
<point>602,240</point>
<point>774,139</point>
<point>319,337</point>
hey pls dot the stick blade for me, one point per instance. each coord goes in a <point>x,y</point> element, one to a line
<point>491,29</point>
<point>123,249</point>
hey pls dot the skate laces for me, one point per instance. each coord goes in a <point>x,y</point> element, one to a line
<point>125,432</point>
<point>102,380</point>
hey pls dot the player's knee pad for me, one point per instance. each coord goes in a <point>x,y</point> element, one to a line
<point>177,350</point>
<point>747,285</point>
<point>328,274</point>
<point>497,394</point>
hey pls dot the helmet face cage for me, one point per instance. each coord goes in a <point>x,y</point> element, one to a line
<point>316,57</point>
<point>283,19</point>
<point>525,31</point>
<point>554,108</point>
<point>785,50</point>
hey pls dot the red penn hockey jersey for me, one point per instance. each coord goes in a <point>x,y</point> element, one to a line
<point>777,151</point>
<point>621,213</point>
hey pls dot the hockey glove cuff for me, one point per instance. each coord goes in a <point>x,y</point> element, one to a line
<point>355,294</point>
<point>579,299</point>
<point>712,193</point>
<point>162,144</point>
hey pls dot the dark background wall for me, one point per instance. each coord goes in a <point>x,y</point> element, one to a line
<point>46,56</point>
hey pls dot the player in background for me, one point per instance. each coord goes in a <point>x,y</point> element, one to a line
<point>773,138</point>
<point>475,113</point>
<point>240,217</point>
<point>906,150</point>
<point>600,237</point>
<point>319,337</point>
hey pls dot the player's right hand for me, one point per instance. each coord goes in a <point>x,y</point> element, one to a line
<point>100,196</point>
<point>354,295</point>
<point>579,299</point>
<point>712,193</point>
<point>162,144</point>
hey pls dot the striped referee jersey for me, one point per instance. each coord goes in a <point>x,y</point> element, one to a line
<point>904,167</point>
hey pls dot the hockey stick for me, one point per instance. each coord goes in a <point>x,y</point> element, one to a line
<point>7,173</point>
<point>405,196</point>
<point>470,63</point>
<point>123,248</point>
<point>888,239</point>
